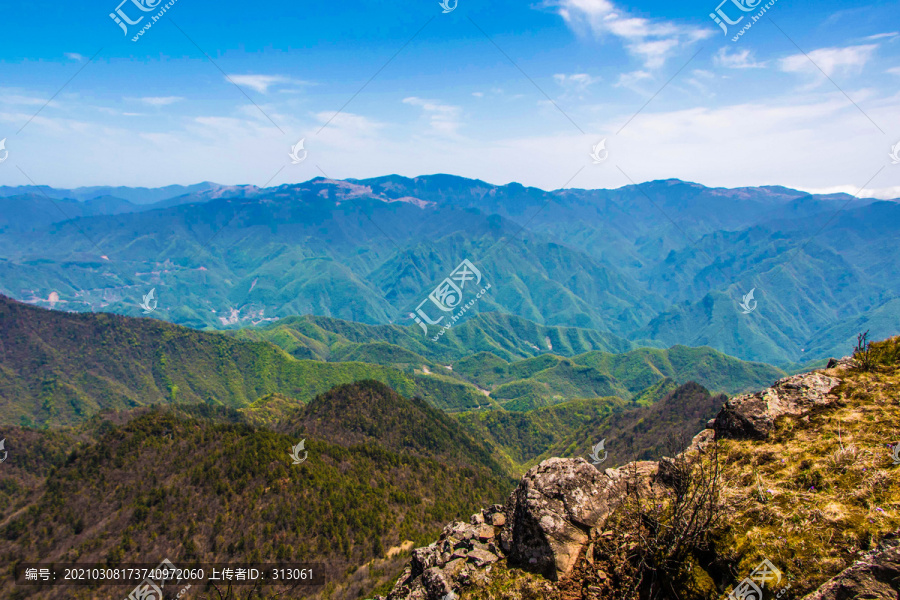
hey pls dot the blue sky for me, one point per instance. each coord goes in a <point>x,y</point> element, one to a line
<point>814,105</point>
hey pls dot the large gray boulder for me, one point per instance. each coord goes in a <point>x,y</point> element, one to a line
<point>752,416</point>
<point>876,576</point>
<point>555,506</point>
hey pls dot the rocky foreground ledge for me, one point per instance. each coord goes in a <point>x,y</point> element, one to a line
<point>560,507</point>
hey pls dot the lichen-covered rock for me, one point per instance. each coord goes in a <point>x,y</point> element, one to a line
<point>482,557</point>
<point>848,362</point>
<point>876,576</point>
<point>436,583</point>
<point>553,509</point>
<point>435,569</point>
<point>752,416</point>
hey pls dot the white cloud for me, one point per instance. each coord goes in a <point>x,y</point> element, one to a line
<point>349,122</point>
<point>742,59</point>
<point>161,100</point>
<point>652,41</point>
<point>74,56</point>
<point>631,80</point>
<point>577,81</point>
<point>700,78</point>
<point>810,142</point>
<point>894,70</point>
<point>260,83</point>
<point>443,118</point>
<point>881,36</point>
<point>10,96</point>
<point>829,60</point>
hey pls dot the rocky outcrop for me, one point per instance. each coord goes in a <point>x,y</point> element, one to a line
<point>876,576</point>
<point>554,508</point>
<point>544,526</point>
<point>435,571</point>
<point>752,416</point>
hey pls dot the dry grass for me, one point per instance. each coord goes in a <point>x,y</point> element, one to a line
<point>831,491</point>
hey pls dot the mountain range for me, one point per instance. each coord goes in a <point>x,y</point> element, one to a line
<point>59,368</point>
<point>657,264</point>
<point>116,427</point>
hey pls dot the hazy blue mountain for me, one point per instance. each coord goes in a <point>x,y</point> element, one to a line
<point>136,195</point>
<point>663,263</point>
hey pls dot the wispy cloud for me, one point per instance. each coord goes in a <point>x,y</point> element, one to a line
<point>443,118</point>
<point>260,83</point>
<point>161,100</point>
<point>700,78</point>
<point>652,41</point>
<point>830,60</point>
<point>580,80</point>
<point>881,36</point>
<point>576,82</point>
<point>631,80</point>
<point>74,56</point>
<point>742,59</point>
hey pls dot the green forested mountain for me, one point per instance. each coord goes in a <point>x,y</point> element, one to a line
<point>518,373</point>
<point>632,431</point>
<point>507,336</point>
<point>371,251</point>
<point>122,490</point>
<point>62,368</point>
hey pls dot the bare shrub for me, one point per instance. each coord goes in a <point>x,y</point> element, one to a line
<point>666,526</point>
<point>863,353</point>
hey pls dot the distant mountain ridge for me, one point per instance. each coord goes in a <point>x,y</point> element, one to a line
<point>663,263</point>
<point>136,195</point>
